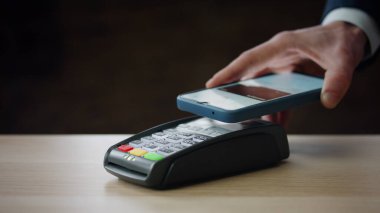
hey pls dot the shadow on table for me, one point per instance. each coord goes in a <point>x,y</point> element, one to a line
<point>214,185</point>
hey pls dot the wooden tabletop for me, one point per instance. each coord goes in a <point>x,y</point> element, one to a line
<point>64,173</point>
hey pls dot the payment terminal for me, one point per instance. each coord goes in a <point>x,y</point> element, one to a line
<point>195,149</point>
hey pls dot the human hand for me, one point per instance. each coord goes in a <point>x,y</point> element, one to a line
<point>332,50</point>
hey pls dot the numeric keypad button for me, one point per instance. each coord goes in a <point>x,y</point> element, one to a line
<point>185,135</point>
<point>150,147</point>
<point>174,139</point>
<point>200,138</point>
<point>136,143</point>
<point>161,143</point>
<point>178,146</point>
<point>188,142</point>
<point>159,135</point>
<point>165,151</point>
<point>148,139</point>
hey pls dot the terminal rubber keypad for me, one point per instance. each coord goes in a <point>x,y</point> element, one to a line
<point>169,141</point>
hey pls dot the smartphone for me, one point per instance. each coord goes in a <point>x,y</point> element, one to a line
<point>252,98</point>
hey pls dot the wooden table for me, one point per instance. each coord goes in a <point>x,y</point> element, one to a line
<point>64,173</point>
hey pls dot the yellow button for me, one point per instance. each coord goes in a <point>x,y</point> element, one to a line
<point>137,152</point>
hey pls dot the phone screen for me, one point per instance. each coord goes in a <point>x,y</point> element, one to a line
<point>255,92</point>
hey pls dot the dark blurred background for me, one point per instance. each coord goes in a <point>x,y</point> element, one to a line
<point>101,66</point>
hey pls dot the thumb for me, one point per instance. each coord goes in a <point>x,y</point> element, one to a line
<point>335,86</point>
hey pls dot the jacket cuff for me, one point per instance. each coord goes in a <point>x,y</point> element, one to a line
<point>360,19</point>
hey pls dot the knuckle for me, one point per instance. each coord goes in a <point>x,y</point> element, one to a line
<point>284,36</point>
<point>245,58</point>
<point>245,54</point>
<point>285,39</point>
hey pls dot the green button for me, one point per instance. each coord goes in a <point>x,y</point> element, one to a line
<point>153,156</point>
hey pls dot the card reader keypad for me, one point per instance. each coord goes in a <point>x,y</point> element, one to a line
<point>169,141</point>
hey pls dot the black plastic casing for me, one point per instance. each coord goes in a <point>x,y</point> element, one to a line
<point>260,145</point>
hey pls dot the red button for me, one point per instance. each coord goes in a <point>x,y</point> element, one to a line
<point>125,148</point>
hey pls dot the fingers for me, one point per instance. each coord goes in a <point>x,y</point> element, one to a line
<point>335,86</point>
<point>283,118</point>
<point>337,48</point>
<point>233,71</point>
<point>310,67</point>
<point>254,60</point>
<point>224,76</point>
<point>254,74</point>
<point>280,118</point>
<point>270,118</point>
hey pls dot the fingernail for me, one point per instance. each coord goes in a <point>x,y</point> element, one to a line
<point>245,78</point>
<point>208,83</point>
<point>329,100</point>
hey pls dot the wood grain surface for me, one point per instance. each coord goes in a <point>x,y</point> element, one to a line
<point>64,173</point>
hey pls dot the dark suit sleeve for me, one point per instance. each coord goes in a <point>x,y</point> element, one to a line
<point>371,7</point>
